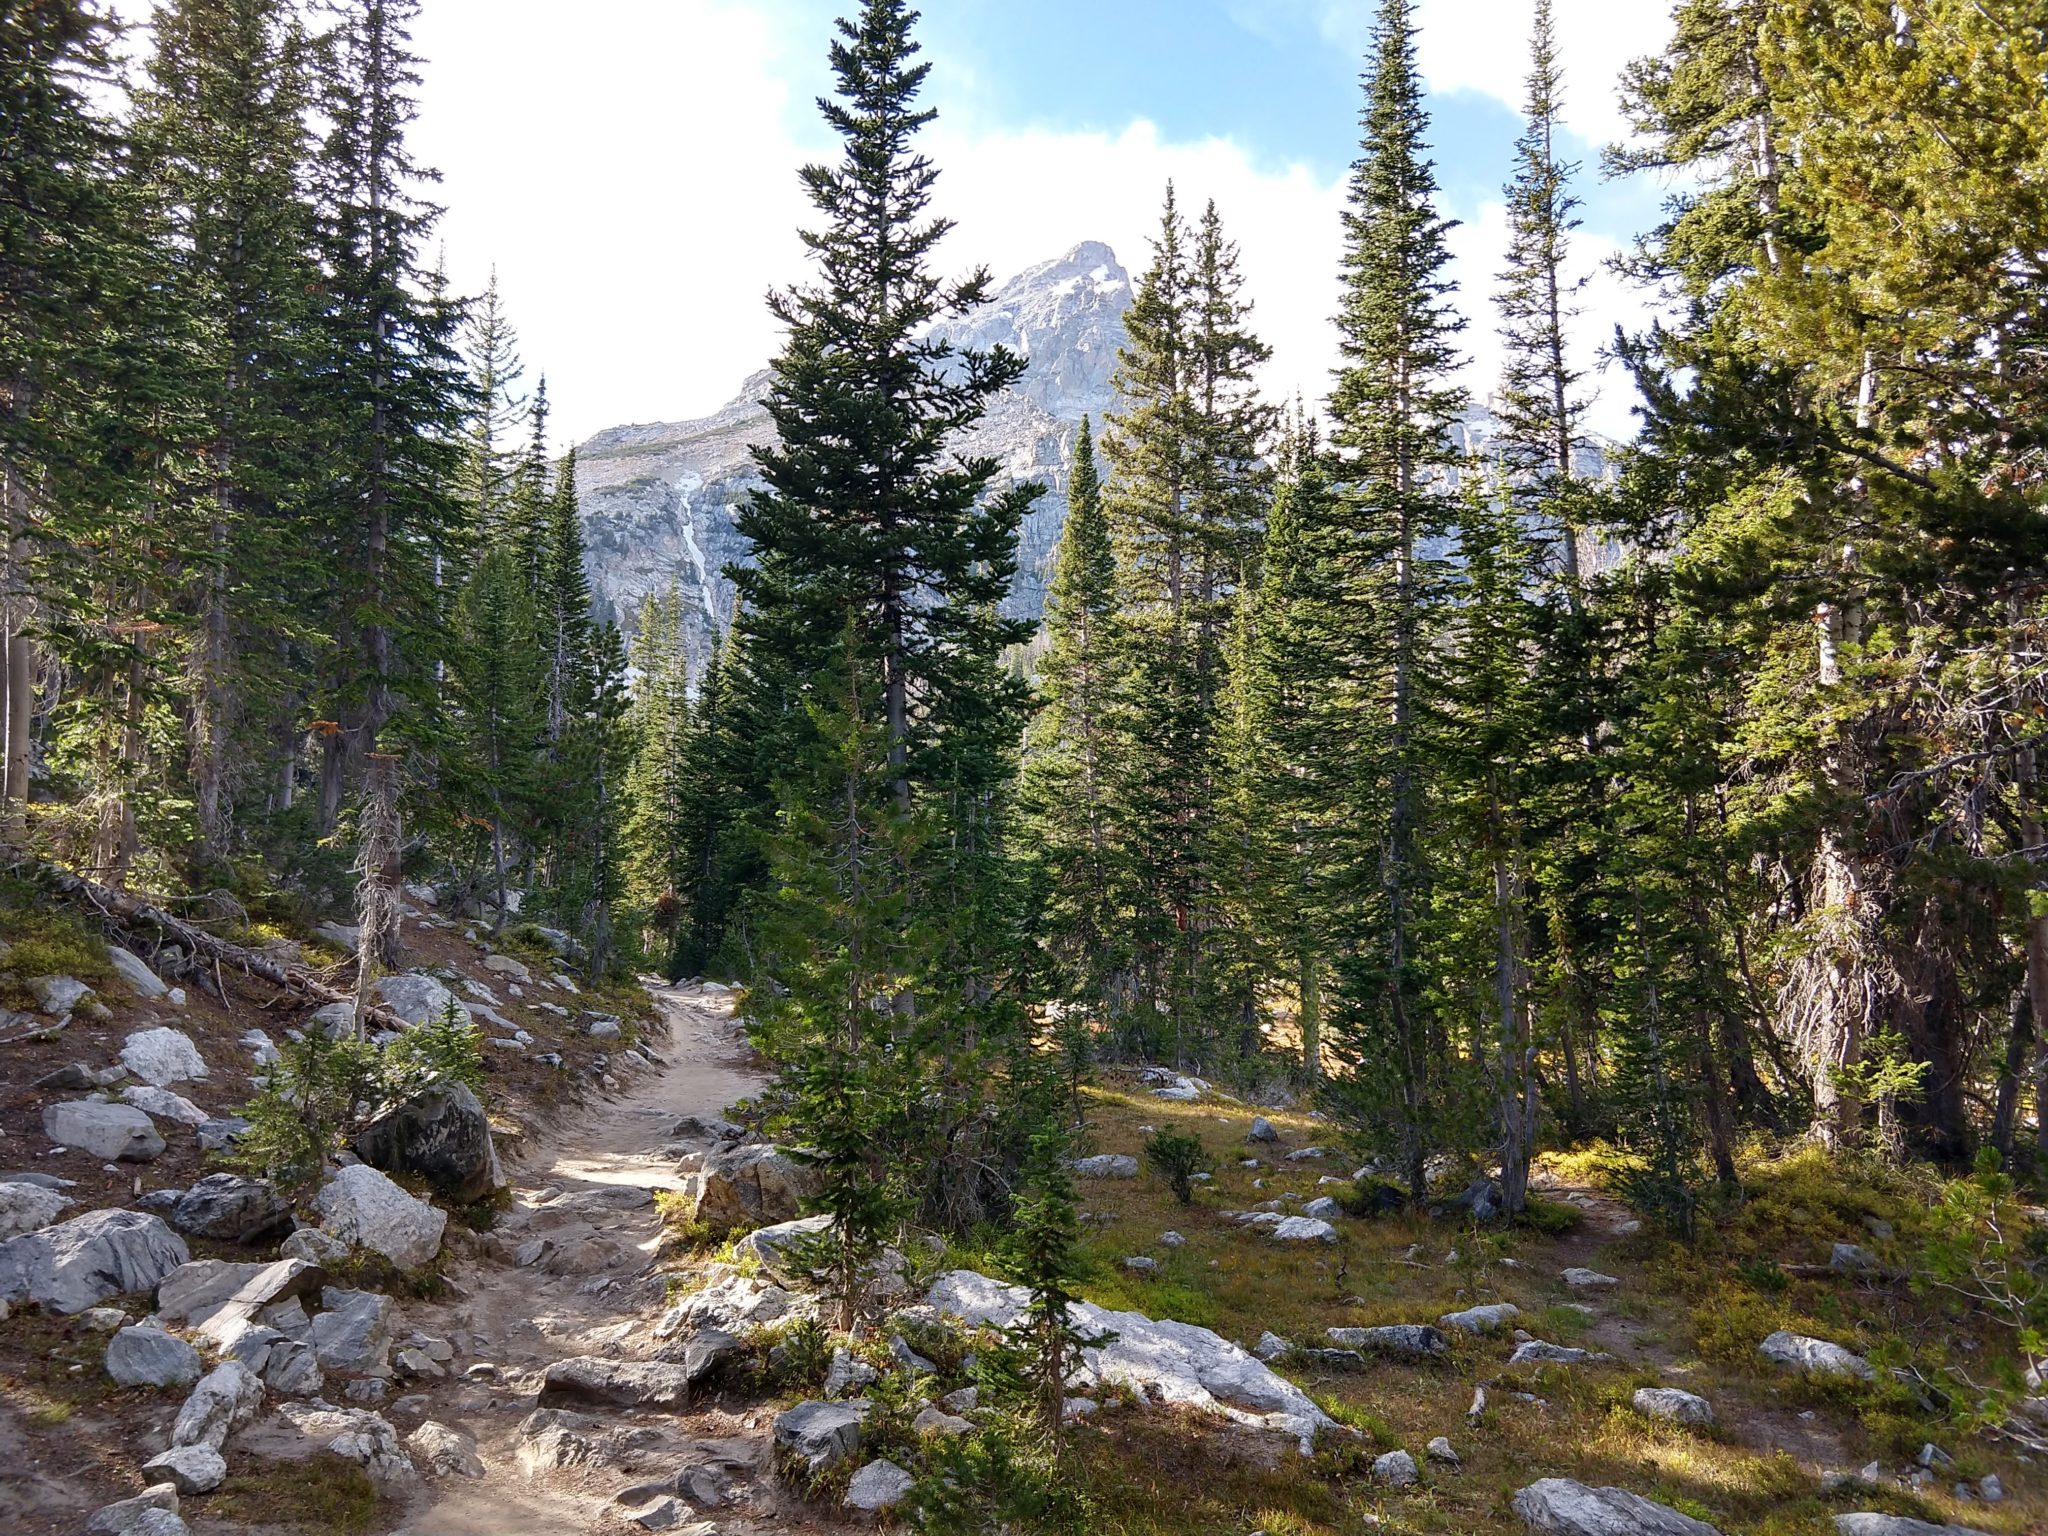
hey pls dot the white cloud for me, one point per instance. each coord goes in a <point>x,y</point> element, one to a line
<point>635,186</point>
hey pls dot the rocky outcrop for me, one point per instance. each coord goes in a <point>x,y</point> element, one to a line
<point>444,1137</point>
<point>626,1383</point>
<point>188,1468</point>
<point>1557,1506</point>
<point>82,1262</point>
<point>1400,1341</point>
<point>361,1207</point>
<point>354,1331</point>
<point>414,996</point>
<point>1165,1361</point>
<point>1868,1524</point>
<point>153,1512</point>
<point>747,1187</point>
<point>1487,1319</point>
<point>227,1397</point>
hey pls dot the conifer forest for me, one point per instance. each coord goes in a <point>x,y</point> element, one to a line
<point>1376,958</point>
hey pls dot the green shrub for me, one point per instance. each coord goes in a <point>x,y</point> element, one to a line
<point>1177,1157</point>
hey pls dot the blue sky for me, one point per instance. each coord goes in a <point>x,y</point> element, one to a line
<point>634,183</point>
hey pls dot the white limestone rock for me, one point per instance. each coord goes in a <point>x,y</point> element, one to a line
<point>135,971</point>
<point>29,1208</point>
<point>1674,1406</point>
<point>149,1357</point>
<point>1557,1506</point>
<point>188,1468</point>
<point>161,1057</point>
<point>1165,1361</point>
<point>1487,1319</point>
<point>1814,1357</point>
<point>878,1486</point>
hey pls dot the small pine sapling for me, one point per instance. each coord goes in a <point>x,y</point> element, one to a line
<point>1177,1157</point>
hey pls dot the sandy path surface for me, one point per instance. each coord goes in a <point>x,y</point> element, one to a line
<point>572,1273</point>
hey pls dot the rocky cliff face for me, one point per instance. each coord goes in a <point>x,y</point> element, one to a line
<point>659,501</point>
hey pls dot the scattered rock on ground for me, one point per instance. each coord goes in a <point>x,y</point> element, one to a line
<point>354,1331</point>
<point>162,1104</point>
<point>1303,1229</point>
<point>878,1486</point>
<point>231,1208</point>
<point>227,1397</point>
<point>135,971</point>
<point>297,1431</point>
<point>443,1452</point>
<point>747,1186</point>
<point>1814,1357</point>
<point>1396,1469</point>
<point>819,1433</point>
<point>161,1057</point>
<point>1537,1352</point>
<point>414,996</point>
<point>149,1357</point>
<point>1166,1361</point>
<point>1262,1130</point>
<point>81,1262</point>
<point>29,1208</point>
<point>1557,1506</point>
<point>1867,1524</point>
<point>109,1132</point>
<point>1589,1280</point>
<point>444,1136</point>
<point>1404,1341</point>
<point>1852,1259</point>
<point>619,1383</point>
<point>1487,1319</point>
<point>1671,1404</point>
<point>1442,1452</point>
<point>153,1512</point>
<point>363,1208</point>
<point>188,1468</point>
<point>1107,1165</point>
<point>222,1299</point>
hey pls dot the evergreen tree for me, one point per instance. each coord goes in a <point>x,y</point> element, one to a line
<point>496,712</point>
<point>492,472</point>
<point>390,394</point>
<point>1067,784</point>
<point>1186,491</point>
<point>221,140</point>
<point>1393,408</point>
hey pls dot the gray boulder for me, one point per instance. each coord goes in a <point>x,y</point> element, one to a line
<point>1322,1208</point>
<point>1852,1259</point>
<point>444,1137</point>
<point>617,1383</point>
<point>1557,1506</point>
<point>81,1262</point>
<point>1107,1165</point>
<point>415,997</point>
<point>443,1452</point>
<point>298,1431</point>
<point>222,1300</point>
<point>292,1369</point>
<point>1396,1469</point>
<point>161,1057</point>
<point>28,1208</point>
<point>219,1134</point>
<point>149,1357</point>
<point>1867,1524</point>
<point>1303,1229</point>
<point>162,1104</point>
<point>333,1019</point>
<point>820,1434</point>
<point>1487,1319</point>
<point>1538,1352</point>
<point>231,1208</point>
<point>1402,1341</point>
<point>878,1486</point>
<point>361,1207</point>
<point>58,995</point>
<point>1589,1280</point>
<point>1674,1406</point>
<point>188,1468</point>
<point>353,1332</point>
<point>1262,1130</point>
<point>135,971</point>
<point>153,1512</point>
<point>1814,1357</point>
<point>227,1397</point>
<point>110,1132</point>
<point>746,1187</point>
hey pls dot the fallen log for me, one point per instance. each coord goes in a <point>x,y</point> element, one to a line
<point>128,912</point>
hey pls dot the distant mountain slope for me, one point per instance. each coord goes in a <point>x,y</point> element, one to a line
<point>659,500</point>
